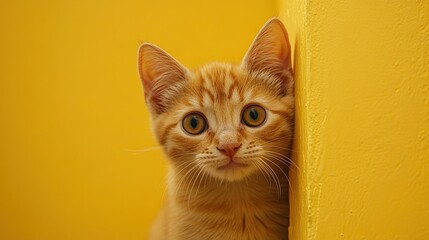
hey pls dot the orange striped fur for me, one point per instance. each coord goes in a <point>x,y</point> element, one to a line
<point>206,197</point>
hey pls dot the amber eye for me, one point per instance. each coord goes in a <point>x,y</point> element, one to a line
<point>254,115</point>
<point>194,123</point>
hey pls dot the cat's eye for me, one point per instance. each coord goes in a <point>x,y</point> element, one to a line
<point>194,123</point>
<point>253,115</point>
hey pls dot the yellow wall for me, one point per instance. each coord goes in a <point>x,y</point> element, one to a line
<point>72,108</point>
<point>362,144</point>
<point>294,16</point>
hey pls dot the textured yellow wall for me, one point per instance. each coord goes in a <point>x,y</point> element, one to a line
<point>362,146</point>
<point>72,108</point>
<point>294,16</point>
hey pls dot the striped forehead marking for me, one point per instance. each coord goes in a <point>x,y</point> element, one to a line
<point>217,85</point>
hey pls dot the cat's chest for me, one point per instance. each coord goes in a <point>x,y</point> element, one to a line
<point>263,222</point>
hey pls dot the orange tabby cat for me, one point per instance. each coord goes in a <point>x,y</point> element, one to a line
<point>227,132</point>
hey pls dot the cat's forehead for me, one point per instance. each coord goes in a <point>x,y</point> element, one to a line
<point>215,75</point>
<point>220,83</point>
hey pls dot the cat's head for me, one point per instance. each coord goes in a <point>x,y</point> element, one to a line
<point>223,120</point>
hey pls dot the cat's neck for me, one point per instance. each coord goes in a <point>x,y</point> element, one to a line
<point>208,192</point>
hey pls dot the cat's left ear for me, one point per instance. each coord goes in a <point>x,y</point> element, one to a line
<point>162,77</point>
<point>270,53</point>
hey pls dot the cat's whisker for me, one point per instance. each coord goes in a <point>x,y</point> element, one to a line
<point>270,145</point>
<point>202,177</point>
<point>193,184</point>
<point>274,139</point>
<point>281,148</point>
<point>182,166</point>
<point>264,173</point>
<point>287,177</point>
<point>191,176</point>
<point>278,142</point>
<point>183,178</point>
<point>274,176</point>
<point>165,180</point>
<point>280,160</point>
<point>275,145</point>
<point>275,164</point>
<point>189,180</point>
<point>170,182</point>
<point>282,157</point>
<point>144,150</point>
<point>181,157</point>
<point>181,154</point>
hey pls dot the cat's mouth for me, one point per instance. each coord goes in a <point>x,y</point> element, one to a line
<point>232,165</point>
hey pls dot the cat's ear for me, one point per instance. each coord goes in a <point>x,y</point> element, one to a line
<point>162,76</point>
<point>270,51</point>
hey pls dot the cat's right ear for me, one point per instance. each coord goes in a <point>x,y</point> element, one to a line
<point>162,76</point>
<point>270,53</point>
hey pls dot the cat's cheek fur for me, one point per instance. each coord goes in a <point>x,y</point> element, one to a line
<point>187,145</point>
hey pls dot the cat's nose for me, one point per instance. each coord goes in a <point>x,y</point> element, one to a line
<point>229,149</point>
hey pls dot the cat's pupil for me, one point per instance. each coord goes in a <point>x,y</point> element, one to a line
<point>194,122</point>
<point>253,114</point>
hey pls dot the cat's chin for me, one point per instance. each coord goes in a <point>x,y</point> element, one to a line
<point>232,172</point>
<point>233,165</point>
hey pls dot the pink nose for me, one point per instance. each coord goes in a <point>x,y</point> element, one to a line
<point>229,149</point>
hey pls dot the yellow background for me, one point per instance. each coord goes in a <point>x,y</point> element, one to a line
<point>362,119</point>
<point>73,114</point>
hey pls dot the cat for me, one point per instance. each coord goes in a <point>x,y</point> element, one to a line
<point>227,131</point>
